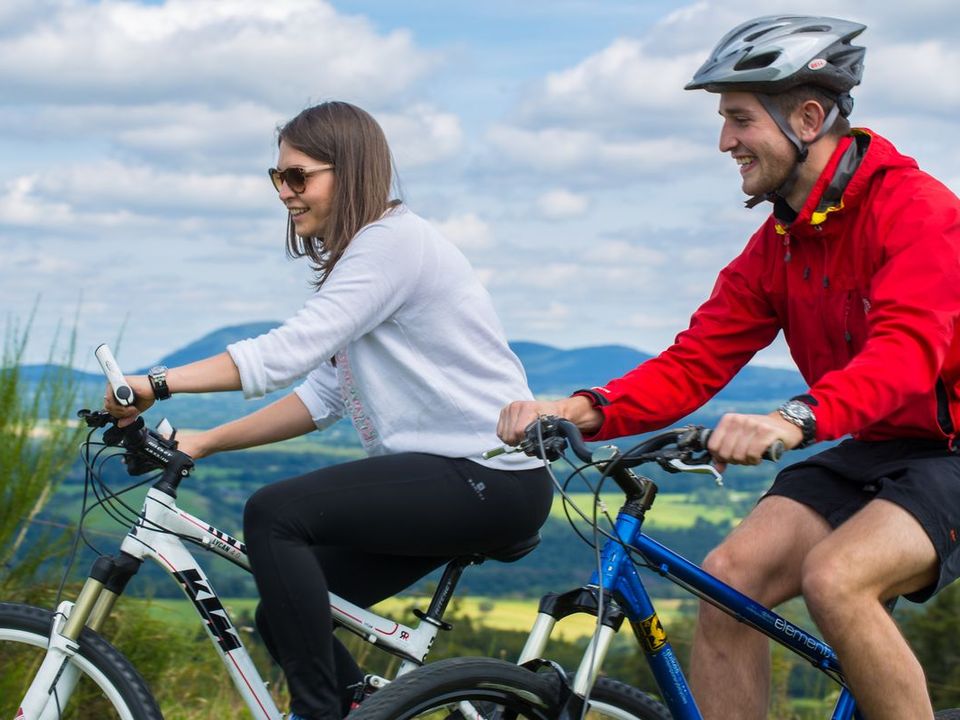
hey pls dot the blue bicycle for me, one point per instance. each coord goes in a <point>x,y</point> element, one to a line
<point>484,689</point>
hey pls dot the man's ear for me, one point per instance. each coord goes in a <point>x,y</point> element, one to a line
<point>808,120</point>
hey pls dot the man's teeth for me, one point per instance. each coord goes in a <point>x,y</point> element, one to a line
<point>744,160</point>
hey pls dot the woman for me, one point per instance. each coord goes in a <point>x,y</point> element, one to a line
<point>401,336</point>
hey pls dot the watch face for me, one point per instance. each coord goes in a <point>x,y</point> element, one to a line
<point>801,415</point>
<point>799,410</point>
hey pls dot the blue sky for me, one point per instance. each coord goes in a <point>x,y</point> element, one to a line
<point>552,141</point>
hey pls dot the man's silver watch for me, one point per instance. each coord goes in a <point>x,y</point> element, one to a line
<point>801,415</point>
<point>158,382</point>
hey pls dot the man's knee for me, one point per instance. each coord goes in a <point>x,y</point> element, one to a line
<point>828,586</point>
<point>734,566</point>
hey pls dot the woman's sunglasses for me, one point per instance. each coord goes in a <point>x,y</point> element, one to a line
<point>294,177</point>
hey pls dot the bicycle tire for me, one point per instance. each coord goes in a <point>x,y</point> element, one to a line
<point>951,714</point>
<point>109,686</point>
<point>615,700</point>
<point>498,690</point>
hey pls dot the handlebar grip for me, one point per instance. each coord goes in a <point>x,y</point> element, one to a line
<point>122,392</point>
<point>775,451</point>
<point>772,453</point>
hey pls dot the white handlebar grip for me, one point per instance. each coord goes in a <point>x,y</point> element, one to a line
<point>121,391</point>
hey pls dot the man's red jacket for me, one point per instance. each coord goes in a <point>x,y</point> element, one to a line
<point>865,285</point>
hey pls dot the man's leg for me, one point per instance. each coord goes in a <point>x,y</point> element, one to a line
<point>879,553</point>
<point>762,558</point>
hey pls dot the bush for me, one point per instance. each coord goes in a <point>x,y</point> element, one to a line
<point>38,438</point>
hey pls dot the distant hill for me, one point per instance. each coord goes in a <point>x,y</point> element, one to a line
<point>215,342</point>
<point>550,372</point>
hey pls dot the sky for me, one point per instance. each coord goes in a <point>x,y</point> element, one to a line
<point>552,141</point>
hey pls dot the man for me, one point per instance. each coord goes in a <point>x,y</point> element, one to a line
<point>859,265</point>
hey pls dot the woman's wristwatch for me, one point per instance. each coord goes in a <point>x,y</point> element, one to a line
<point>158,382</point>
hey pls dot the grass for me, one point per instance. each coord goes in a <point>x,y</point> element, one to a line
<point>670,511</point>
<point>495,613</point>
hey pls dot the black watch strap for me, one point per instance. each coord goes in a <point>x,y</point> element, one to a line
<point>158,382</point>
<point>800,413</point>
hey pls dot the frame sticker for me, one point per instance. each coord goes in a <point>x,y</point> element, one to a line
<point>651,632</point>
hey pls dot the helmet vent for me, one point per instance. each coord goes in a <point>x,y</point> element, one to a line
<point>760,33</point>
<point>757,61</point>
<point>811,29</point>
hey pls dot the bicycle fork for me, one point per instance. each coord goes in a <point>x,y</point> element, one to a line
<point>57,677</point>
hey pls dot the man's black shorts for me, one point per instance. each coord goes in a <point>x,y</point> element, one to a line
<point>921,476</point>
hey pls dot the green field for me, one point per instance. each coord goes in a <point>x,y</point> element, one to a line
<point>496,613</point>
<point>671,510</point>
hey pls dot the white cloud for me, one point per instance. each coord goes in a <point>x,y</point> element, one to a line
<point>131,127</point>
<point>211,51</point>
<point>19,206</point>
<point>421,135</point>
<point>922,77</point>
<point>622,253</point>
<point>467,231</point>
<point>592,155</point>
<point>561,204</point>
<point>611,87</point>
<point>110,194</point>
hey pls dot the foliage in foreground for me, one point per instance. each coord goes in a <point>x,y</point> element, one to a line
<point>38,441</point>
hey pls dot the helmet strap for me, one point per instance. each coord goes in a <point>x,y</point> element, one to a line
<point>802,148</point>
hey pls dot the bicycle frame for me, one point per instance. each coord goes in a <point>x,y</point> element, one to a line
<point>619,591</point>
<point>159,534</point>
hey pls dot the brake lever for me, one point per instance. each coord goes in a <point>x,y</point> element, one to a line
<point>95,418</point>
<point>501,450</point>
<point>678,465</point>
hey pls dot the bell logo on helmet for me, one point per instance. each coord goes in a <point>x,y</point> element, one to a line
<point>817,64</point>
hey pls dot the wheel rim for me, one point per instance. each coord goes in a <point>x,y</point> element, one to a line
<point>22,651</point>
<point>600,710</point>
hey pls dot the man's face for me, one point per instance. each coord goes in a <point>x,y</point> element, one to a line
<point>764,154</point>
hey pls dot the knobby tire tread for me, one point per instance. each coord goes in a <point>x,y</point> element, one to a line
<point>416,691</point>
<point>627,697</point>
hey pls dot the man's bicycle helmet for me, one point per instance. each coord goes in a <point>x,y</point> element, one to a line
<point>775,53</point>
<point>772,54</point>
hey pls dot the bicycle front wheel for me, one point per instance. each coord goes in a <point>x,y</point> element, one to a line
<point>108,685</point>
<point>614,700</point>
<point>487,689</point>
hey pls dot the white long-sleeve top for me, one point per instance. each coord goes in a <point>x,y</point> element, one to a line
<point>403,338</point>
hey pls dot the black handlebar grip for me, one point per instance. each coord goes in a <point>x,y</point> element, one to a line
<point>772,453</point>
<point>775,451</point>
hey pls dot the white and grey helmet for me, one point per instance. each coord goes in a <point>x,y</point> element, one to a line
<point>772,54</point>
<point>777,52</point>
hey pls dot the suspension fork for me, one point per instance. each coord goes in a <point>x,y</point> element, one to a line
<point>57,677</point>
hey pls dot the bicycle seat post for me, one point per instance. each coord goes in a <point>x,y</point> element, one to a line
<point>445,588</point>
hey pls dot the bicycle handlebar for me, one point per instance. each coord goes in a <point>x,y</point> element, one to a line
<point>146,449</point>
<point>548,436</point>
<point>122,391</point>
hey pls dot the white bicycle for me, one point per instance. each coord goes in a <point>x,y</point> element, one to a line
<point>55,664</point>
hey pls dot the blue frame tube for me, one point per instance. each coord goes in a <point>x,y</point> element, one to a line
<point>619,576</point>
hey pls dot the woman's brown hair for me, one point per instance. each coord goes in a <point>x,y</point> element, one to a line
<point>351,140</point>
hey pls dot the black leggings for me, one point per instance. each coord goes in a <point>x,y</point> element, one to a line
<point>366,530</point>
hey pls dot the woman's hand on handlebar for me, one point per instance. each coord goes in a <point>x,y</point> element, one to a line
<point>742,439</point>
<point>143,399</point>
<point>515,417</point>
<point>193,444</point>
